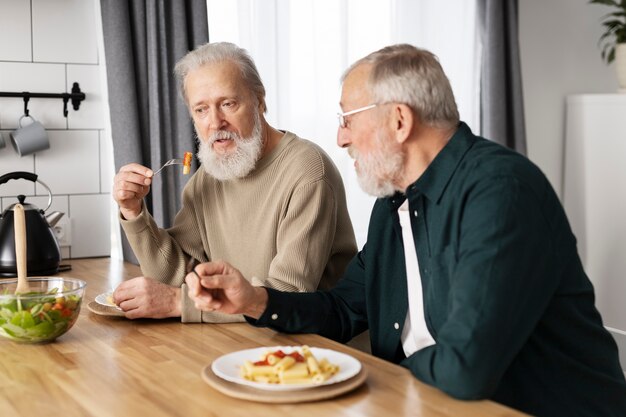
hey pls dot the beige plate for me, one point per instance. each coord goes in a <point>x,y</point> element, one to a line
<point>97,308</point>
<point>245,392</point>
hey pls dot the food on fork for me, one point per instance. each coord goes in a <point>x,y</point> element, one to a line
<point>279,367</point>
<point>187,163</point>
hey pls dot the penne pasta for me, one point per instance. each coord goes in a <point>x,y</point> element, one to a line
<point>312,364</point>
<point>296,367</point>
<point>267,379</point>
<point>326,366</point>
<point>321,377</point>
<point>252,370</point>
<point>298,370</point>
<point>246,369</point>
<point>284,364</point>
<point>187,163</point>
<point>332,369</point>
<point>299,381</point>
<point>272,359</point>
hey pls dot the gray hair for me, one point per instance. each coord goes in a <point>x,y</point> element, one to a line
<point>211,53</point>
<point>405,74</point>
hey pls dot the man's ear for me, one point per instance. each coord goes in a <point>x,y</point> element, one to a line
<point>403,120</point>
<point>261,107</point>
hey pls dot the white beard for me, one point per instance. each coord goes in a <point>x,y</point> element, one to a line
<point>237,163</point>
<point>377,171</point>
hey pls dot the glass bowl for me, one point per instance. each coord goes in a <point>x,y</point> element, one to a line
<point>42,315</point>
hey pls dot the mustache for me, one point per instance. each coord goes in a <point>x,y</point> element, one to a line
<point>223,134</point>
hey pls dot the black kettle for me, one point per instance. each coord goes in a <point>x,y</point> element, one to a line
<point>43,254</point>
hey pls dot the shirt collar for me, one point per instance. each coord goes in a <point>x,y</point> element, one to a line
<point>433,181</point>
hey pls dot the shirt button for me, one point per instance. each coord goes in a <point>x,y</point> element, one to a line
<point>415,213</point>
<point>274,316</point>
<point>396,326</point>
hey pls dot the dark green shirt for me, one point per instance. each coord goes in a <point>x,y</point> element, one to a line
<point>505,294</point>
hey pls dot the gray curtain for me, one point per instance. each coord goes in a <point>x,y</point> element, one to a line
<point>143,39</point>
<point>501,102</point>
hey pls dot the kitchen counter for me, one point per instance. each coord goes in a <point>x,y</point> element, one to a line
<point>111,366</point>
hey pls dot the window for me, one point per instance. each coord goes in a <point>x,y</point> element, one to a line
<point>301,48</point>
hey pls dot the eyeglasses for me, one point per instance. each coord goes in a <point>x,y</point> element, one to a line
<point>342,116</point>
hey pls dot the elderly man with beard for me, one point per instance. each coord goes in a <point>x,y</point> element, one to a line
<point>470,276</point>
<point>264,199</point>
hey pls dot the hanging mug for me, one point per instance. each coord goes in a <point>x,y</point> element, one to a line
<point>29,138</point>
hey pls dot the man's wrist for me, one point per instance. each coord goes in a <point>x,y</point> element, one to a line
<point>128,214</point>
<point>257,308</point>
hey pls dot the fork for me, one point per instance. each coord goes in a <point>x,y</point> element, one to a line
<point>168,163</point>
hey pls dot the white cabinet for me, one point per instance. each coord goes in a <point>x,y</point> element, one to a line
<point>594,197</point>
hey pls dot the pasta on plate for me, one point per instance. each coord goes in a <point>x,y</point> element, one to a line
<point>257,367</point>
<point>297,367</point>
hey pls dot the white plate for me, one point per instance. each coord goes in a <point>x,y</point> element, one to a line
<point>103,300</point>
<point>228,367</point>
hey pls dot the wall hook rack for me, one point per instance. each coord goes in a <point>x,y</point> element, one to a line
<point>76,96</point>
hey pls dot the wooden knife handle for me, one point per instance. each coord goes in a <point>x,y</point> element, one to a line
<point>20,247</point>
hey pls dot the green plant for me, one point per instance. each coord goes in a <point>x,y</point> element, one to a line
<point>614,28</point>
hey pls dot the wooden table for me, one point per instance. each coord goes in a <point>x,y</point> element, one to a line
<point>116,367</point>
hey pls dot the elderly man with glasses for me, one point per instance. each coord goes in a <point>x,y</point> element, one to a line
<point>264,199</point>
<point>470,277</point>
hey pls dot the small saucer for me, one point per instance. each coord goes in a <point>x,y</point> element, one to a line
<point>103,310</point>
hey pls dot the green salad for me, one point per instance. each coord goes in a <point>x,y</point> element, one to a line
<point>38,317</point>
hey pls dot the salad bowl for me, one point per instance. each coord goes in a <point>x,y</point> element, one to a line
<point>47,311</point>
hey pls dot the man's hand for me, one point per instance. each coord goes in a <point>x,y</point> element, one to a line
<point>130,185</point>
<point>220,287</point>
<point>143,297</point>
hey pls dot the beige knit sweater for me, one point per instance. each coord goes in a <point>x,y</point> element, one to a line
<point>284,226</point>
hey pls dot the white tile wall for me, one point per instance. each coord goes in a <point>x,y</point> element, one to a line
<point>15,33</point>
<point>80,170</point>
<point>64,31</point>
<point>41,78</point>
<point>10,162</point>
<point>91,228</point>
<point>90,114</point>
<point>107,167</point>
<point>78,167</point>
